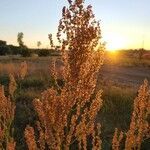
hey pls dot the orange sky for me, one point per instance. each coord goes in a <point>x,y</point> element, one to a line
<point>124,24</point>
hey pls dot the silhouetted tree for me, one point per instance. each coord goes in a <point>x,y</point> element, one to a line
<point>4,49</point>
<point>39,44</point>
<point>24,51</point>
<point>14,50</point>
<point>51,40</point>
<point>20,39</point>
<point>3,43</point>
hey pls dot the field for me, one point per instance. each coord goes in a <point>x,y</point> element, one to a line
<point>74,91</point>
<point>119,81</point>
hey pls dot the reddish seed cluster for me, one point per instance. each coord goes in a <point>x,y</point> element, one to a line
<point>12,85</point>
<point>6,117</point>
<point>23,70</point>
<point>69,115</point>
<point>139,126</point>
<point>29,135</point>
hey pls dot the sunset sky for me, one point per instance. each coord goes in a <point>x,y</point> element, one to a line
<point>124,23</point>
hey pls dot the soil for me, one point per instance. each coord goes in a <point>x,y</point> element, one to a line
<point>131,76</point>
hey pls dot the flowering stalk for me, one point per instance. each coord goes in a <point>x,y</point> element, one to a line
<point>69,116</point>
<point>139,127</point>
<point>6,117</point>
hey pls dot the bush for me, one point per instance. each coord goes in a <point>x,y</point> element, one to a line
<point>32,83</point>
<point>44,53</point>
<point>4,80</point>
<point>14,50</point>
<point>25,52</point>
<point>3,43</point>
<point>24,114</point>
<point>4,50</point>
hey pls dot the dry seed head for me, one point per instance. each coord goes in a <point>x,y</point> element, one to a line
<point>23,69</point>
<point>70,114</point>
<point>7,114</point>
<point>117,138</point>
<point>11,145</point>
<point>139,127</point>
<point>12,85</point>
<point>29,135</point>
<point>53,68</point>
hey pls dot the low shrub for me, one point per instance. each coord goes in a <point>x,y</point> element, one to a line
<point>4,50</point>
<point>24,114</point>
<point>4,80</point>
<point>32,82</point>
<point>25,52</point>
<point>44,53</point>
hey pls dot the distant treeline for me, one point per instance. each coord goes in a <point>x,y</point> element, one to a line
<point>25,51</point>
<point>131,53</point>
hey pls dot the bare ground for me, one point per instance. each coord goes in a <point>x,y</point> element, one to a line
<point>132,76</point>
<point>129,76</point>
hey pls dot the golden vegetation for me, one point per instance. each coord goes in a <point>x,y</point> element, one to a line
<point>116,140</point>
<point>67,114</point>
<point>12,85</point>
<point>139,127</point>
<point>6,117</point>
<point>23,70</point>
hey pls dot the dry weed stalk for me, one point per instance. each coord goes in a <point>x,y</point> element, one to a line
<point>116,140</point>
<point>6,117</point>
<point>52,68</point>
<point>11,145</point>
<point>139,126</point>
<point>12,85</point>
<point>68,116</point>
<point>29,135</point>
<point>51,40</point>
<point>23,70</point>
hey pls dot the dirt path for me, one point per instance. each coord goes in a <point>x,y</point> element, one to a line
<point>131,76</point>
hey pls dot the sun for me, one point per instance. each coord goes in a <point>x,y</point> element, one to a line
<point>115,42</point>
